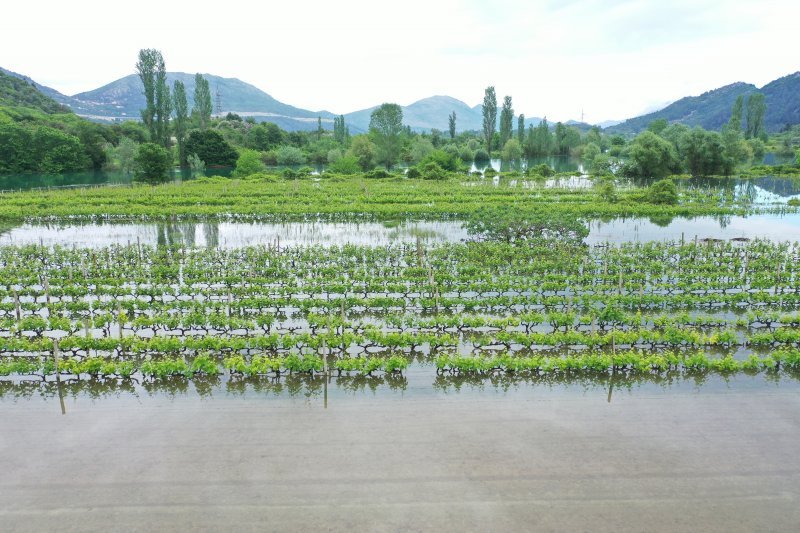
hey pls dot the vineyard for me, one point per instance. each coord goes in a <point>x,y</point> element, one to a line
<point>474,310</point>
<point>353,199</point>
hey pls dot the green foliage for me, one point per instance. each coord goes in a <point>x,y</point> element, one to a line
<point>385,127</point>
<point>514,226</point>
<point>153,75</point>
<point>756,109</point>
<point>249,162</point>
<point>651,157</point>
<point>451,124</point>
<point>506,122</point>
<point>25,148</point>
<point>662,192</point>
<point>432,171</point>
<point>211,148</point>
<point>152,163</point>
<point>341,133</point>
<point>540,140</point>
<point>481,155</point>
<point>512,150</point>
<point>18,92</point>
<point>181,107</point>
<point>201,111</point>
<point>445,160</point>
<point>263,137</point>
<point>347,165</point>
<point>542,169</point>
<point>364,151</point>
<point>489,117</point>
<point>704,153</point>
<point>289,156</point>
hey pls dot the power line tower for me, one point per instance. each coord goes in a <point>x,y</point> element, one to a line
<point>219,101</point>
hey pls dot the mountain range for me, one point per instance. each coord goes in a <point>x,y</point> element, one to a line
<point>712,109</point>
<point>122,99</point>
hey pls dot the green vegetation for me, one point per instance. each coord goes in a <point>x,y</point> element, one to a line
<point>478,308</point>
<point>364,196</point>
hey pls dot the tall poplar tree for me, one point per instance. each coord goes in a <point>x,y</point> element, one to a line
<point>181,117</point>
<point>489,117</point>
<point>521,129</point>
<point>451,123</point>
<point>202,101</point>
<point>158,104</point>
<point>506,121</point>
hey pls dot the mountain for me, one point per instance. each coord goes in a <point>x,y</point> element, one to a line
<point>433,113</point>
<point>19,90</point>
<point>783,102</point>
<point>712,109</point>
<point>122,99</point>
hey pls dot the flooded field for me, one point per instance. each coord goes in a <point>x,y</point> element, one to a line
<point>721,457</point>
<point>231,235</point>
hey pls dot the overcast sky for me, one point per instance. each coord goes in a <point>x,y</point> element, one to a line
<point>612,58</point>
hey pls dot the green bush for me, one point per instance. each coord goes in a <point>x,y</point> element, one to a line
<point>346,164</point>
<point>662,192</point>
<point>212,148</point>
<point>249,162</point>
<point>289,155</point>
<point>153,163</point>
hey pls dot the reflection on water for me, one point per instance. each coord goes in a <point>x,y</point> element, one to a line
<point>776,227</point>
<point>419,381</point>
<point>773,227</point>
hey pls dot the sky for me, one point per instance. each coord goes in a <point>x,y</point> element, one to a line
<point>607,59</point>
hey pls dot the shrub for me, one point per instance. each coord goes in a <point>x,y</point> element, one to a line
<point>249,162</point>
<point>481,155</point>
<point>347,164</point>
<point>662,192</point>
<point>511,225</point>
<point>289,155</point>
<point>432,171</point>
<point>211,148</point>
<point>543,170</point>
<point>152,163</point>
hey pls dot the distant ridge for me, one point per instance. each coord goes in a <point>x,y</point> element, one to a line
<point>122,99</point>
<point>712,109</point>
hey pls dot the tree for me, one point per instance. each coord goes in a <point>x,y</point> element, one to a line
<point>521,129</point>
<point>212,148</point>
<point>651,157</point>
<point>385,127</point>
<point>662,192</point>
<point>181,118</point>
<point>489,117</point>
<point>364,151</point>
<point>249,163</point>
<point>146,68</point>
<point>341,133</point>
<point>735,122</point>
<point>451,122</point>
<point>163,107</point>
<point>152,163</point>
<point>512,150</point>
<point>506,121</point>
<point>540,140</point>
<point>202,101</point>
<point>155,115</point>
<point>320,130</point>
<point>756,108</point>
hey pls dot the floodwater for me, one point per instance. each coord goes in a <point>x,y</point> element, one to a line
<point>566,456</point>
<point>776,227</point>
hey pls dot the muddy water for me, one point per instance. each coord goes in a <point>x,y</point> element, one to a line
<point>719,457</point>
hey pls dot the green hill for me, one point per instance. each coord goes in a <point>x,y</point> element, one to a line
<point>17,91</point>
